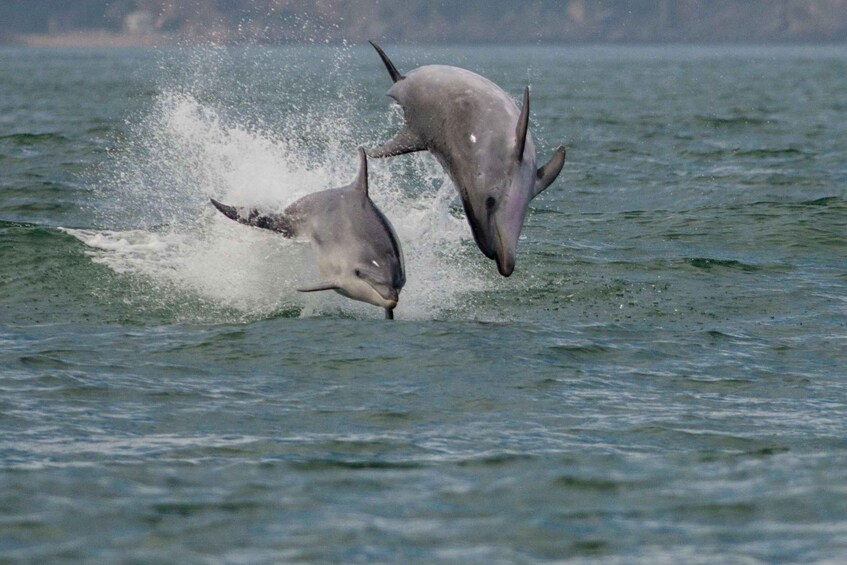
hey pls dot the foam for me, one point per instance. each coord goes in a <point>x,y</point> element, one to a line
<point>155,200</point>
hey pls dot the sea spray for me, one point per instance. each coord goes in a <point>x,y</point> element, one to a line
<point>206,135</point>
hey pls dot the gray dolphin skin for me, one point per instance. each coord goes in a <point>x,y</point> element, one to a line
<point>482,139</point>
<point>357,252</point>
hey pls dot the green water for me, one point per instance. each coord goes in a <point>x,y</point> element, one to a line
<point>661,380</point>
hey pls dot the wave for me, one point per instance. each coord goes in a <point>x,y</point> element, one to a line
<point>732,121</point>
<point>27,138</point>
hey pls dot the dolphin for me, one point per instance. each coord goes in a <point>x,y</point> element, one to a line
<point>482,139</point>
<point>355,246</point>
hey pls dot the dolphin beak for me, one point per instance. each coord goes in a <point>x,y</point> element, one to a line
<point>389,298</point>
<point>390,304</point>
<point>505,255</point>
<point>507,224</point>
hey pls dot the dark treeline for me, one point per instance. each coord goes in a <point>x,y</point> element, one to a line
<point>469,21</point>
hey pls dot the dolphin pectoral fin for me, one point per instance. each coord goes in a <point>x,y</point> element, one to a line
<point>392,70</point>
<point>548,173</point>
<point>319,286</point>
<point>406,141</point>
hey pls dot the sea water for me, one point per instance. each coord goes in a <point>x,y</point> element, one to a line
<point>661,380</point>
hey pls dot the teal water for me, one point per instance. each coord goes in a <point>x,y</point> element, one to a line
<point>661,380</point>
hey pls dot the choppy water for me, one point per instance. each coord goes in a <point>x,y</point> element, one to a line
<point>662,380</point>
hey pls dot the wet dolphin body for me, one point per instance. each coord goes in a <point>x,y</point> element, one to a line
<point>357,252</point>
<point>482,139</point>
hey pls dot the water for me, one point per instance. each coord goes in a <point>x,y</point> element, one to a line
<point>660,381</point>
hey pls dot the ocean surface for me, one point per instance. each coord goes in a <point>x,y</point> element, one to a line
<point>662,380</point>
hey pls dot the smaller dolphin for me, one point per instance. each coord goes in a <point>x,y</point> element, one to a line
<point>357,252</point>
<point>482,140</point>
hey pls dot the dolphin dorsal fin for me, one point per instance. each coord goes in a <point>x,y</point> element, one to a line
<point>361,182</point>
<point>392,70</point>
<point>523,127</point>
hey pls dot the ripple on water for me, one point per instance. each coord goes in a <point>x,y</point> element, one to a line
<point>659,381</point>
<point>28,139</point>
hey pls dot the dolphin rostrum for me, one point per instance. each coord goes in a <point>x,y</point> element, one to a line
<point>357,252</point>
<point>482,139</point>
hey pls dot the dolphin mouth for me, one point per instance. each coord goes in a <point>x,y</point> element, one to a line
<point>506,267</point>
<point>481,236</point>
<point>389,299</point>
<point>505,257</point>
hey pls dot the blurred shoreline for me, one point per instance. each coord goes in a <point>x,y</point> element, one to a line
<point>89,38</point>
<point>126,23</point>
<point>110,39</point>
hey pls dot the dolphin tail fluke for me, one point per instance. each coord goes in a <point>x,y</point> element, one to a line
<point>404,142</point>
<point>523,127</point>
<point>252,217</point>
<point>230,212</point>
<point>392,70</point>
<point>548,173</point>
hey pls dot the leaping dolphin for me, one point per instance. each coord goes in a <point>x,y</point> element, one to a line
<point>482,140</point>
<point>357,252</point>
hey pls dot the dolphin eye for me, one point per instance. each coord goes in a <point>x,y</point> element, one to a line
<point>490,203</point>
<point>358,273</point>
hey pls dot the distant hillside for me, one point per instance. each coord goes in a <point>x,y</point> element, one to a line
<point>426,21</point>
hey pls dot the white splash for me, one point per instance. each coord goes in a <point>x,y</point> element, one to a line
<point>187,151</point>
